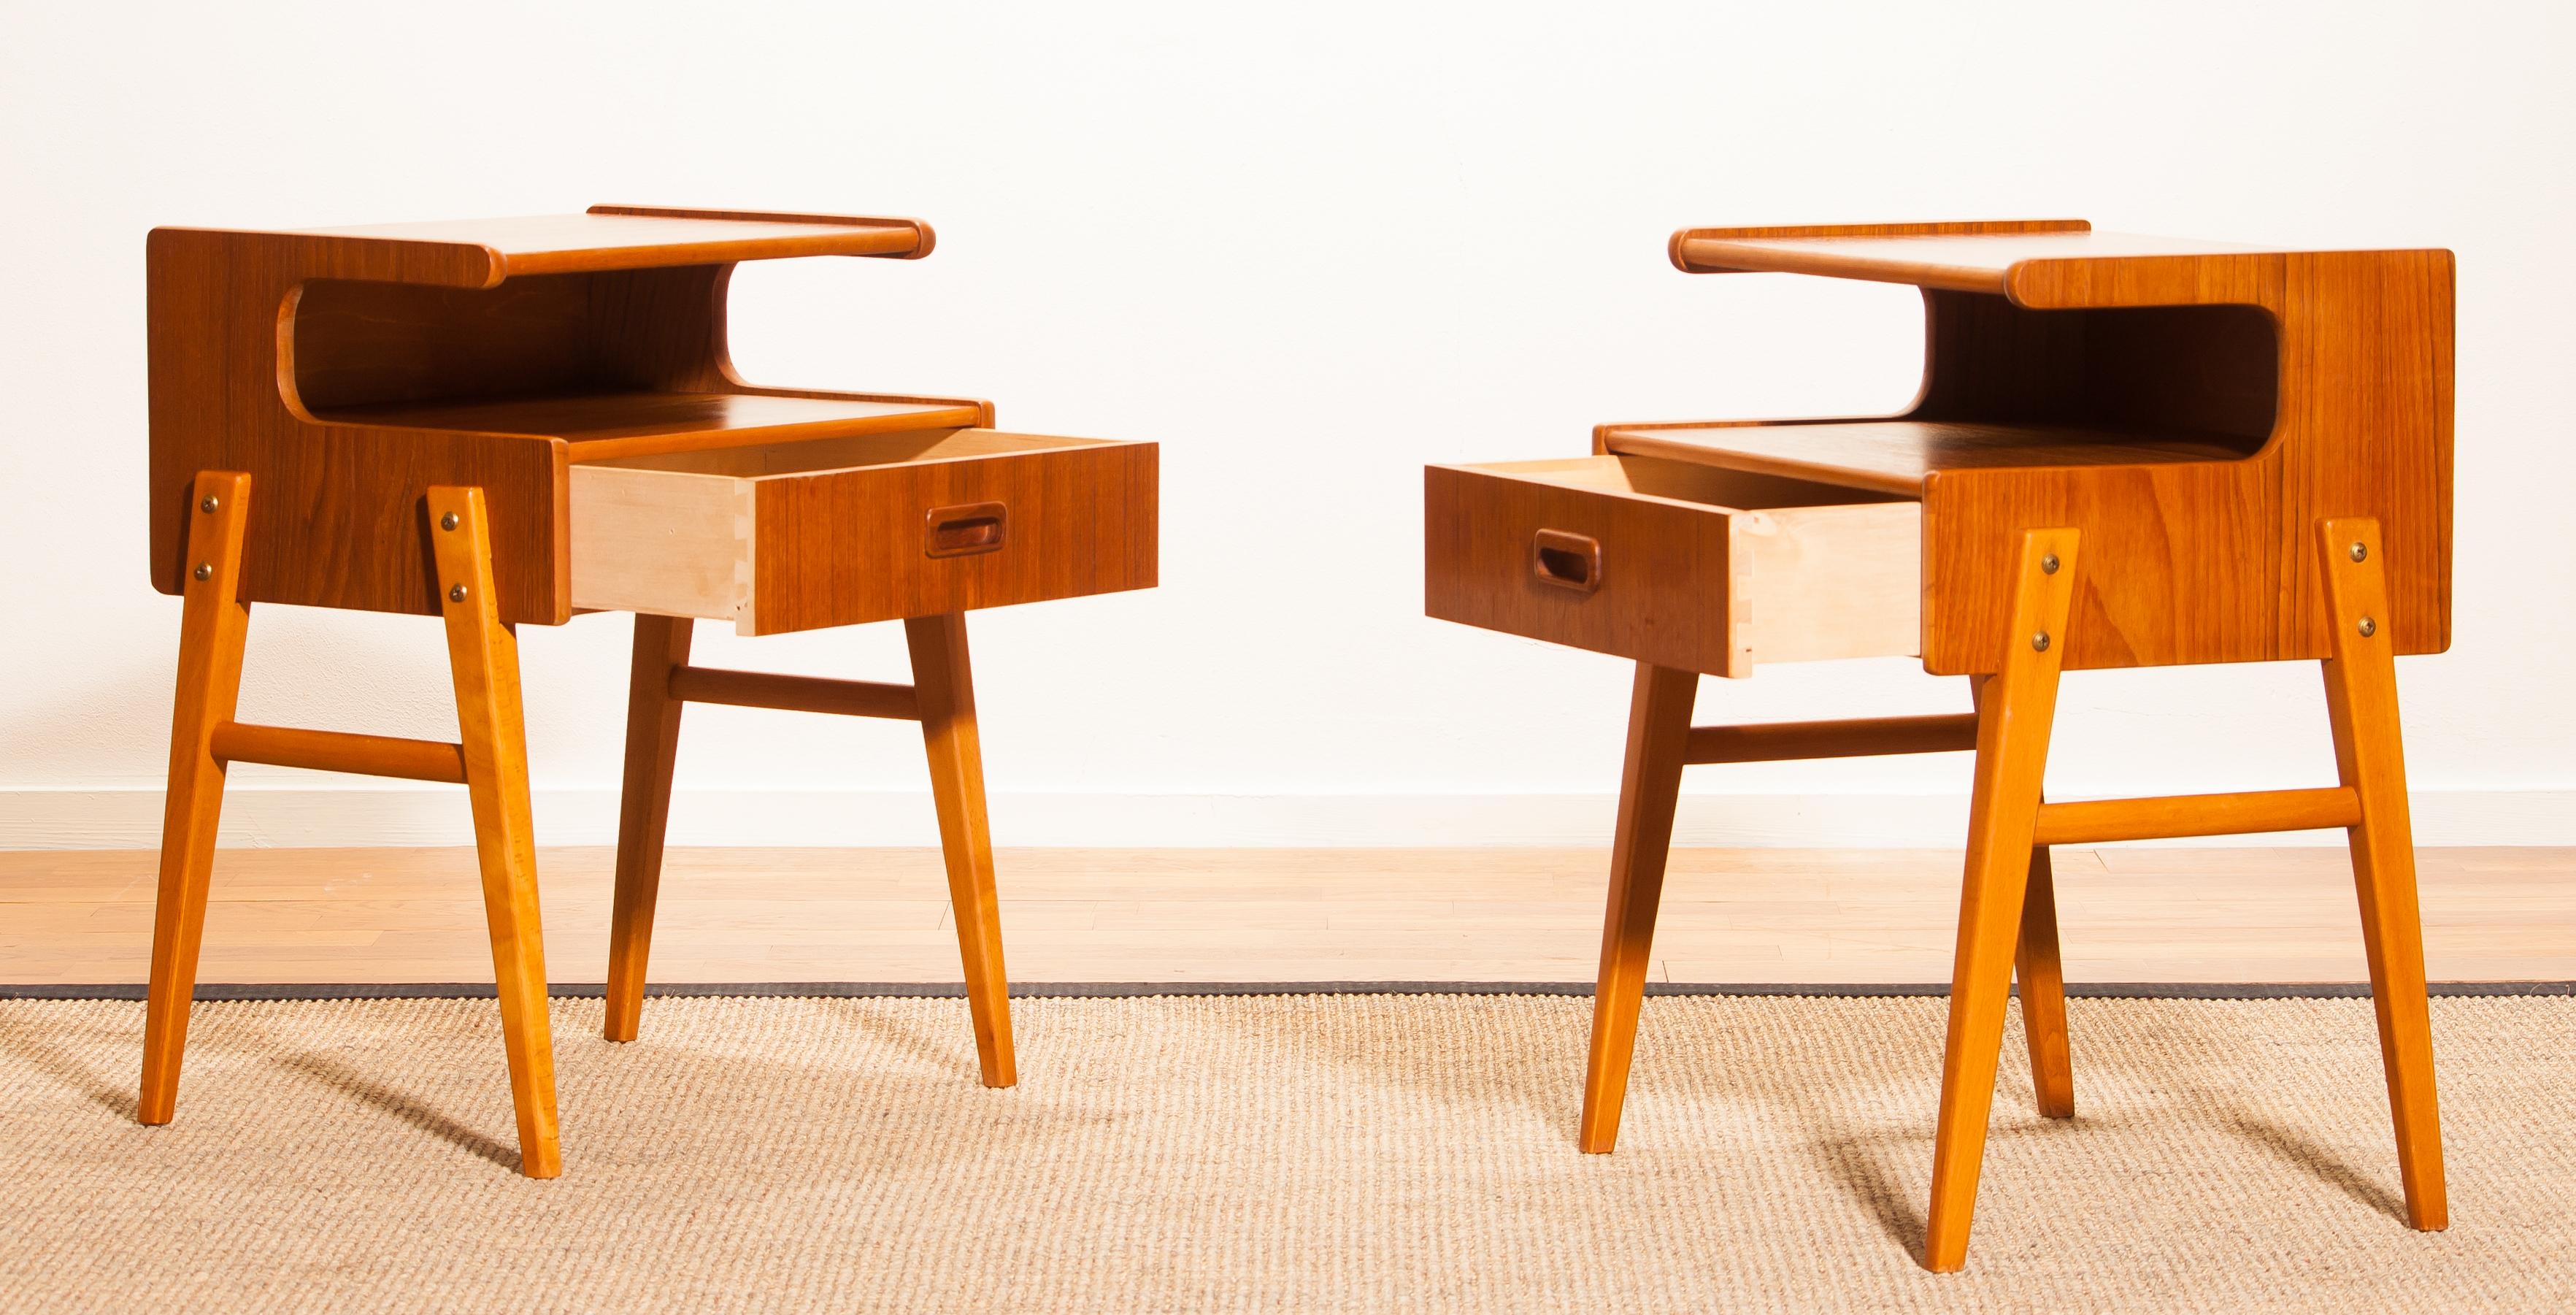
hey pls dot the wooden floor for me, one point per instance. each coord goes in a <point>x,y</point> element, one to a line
<point>1762,915</point>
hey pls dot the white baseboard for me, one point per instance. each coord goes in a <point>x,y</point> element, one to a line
<point>404,816</point>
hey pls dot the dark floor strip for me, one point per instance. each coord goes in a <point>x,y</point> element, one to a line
<point>1096,990</point>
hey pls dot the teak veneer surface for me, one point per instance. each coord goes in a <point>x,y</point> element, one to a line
<point>1966,262</point>
<point>1896,456</point>
<point>349,370</point>
<point>837,531</point>
<point>604,425</point>
<point>608,237</point>
<point>2192,408</point>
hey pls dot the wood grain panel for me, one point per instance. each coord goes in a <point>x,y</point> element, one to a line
<point>637,237</point>
<point>796,535</point>
<point>343,525</point>
<point>1666,595</point>
<point>2191,408</point>
<point>845,547</point>
<point>1979,256</point>
<point>600,425</point>
<point>2207,370</point>
<point>2369,438</point>
<point>1898,456</point>
<point>2181,559</point>
<point>2208,564</point>
<point>250,332</point>
<point>355,344</point>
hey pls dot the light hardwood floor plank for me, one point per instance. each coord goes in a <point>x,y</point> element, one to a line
<point>1762,915</point>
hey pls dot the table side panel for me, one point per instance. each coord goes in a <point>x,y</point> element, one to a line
<point>2370,366</point>
<point>338,519</point>
<point>2178,563</point>
<point>2211,563</point>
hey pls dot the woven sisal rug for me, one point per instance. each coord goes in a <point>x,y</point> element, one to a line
<point>1266,1153</point>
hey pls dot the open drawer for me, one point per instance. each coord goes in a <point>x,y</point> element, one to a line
<point>836,531</point>
<point>1674,563</point>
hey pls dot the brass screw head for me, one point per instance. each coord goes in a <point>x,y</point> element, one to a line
<point>205,570</point>
<point>208,506</point>
<point>457,594</point>
<point>448,521</point>
<point>2039,642</point>
<point>2368,627</point>
<point>2048,564</point>
<point>2360,551</point>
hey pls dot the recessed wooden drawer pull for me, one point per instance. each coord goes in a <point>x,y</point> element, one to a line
<point>965,530</point>
<point>1568,561</point>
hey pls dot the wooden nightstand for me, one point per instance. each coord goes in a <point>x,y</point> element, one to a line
<point>507,421</point>
<point>2128,452</point>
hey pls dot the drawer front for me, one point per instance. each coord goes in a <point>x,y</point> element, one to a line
<point>879,543</point>
<point>1658,587</point>
<point>1016,519</point>
<point>1555,554</point>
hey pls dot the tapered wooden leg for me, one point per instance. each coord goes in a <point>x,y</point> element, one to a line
<point>483,655</point>
<point>1659,714</point>
<point>2361,700</point>
<point>2019,703</point>
<point>2043,992</point>
<point>945,686</point>
<point>213,624</point>
<point>2042,975</point>
<point>643,812</point>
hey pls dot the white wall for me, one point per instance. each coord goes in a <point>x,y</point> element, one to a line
<point>1308,248</point>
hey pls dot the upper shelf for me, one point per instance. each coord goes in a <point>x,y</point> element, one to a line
<point>1975,256</point>
<point>479,253</point>
<point>1894,456</point>
<point>601,426</point>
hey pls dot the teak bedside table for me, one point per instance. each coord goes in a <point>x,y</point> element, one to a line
<point>514,420</point>
<point>2127,452</point>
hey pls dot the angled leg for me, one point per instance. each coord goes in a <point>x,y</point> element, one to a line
<point>1659,715</point>
<point>945,686</point>
<point>2042,975</point>
<point>2361,699</point>
<point>213,626</point>
<point>483,655</point>
<point>643,812</point>
<point>2017,707</point>
<point>2043,992</point>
